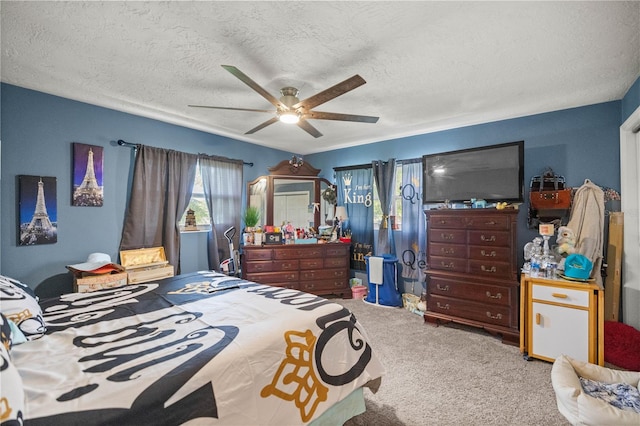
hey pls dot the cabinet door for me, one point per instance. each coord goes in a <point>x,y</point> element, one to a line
<point>557,330</point>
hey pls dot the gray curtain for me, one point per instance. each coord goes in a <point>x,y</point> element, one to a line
<point>413,237</point>
<point>161,190</point>
<point>222,181</point>
<point>384,174</point>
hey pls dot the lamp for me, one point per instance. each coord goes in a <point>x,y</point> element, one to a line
<point>289,117</point>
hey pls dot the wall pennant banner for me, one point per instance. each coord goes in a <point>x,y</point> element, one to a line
<point>355,192</point>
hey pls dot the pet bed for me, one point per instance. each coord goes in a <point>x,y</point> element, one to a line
<point>579,407</point>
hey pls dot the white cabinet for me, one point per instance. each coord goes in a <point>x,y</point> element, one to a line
<point>561,317</point>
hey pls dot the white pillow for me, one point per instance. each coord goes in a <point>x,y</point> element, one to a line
<point>19,304</point>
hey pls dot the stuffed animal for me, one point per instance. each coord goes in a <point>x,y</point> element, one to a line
<point>566,241</point>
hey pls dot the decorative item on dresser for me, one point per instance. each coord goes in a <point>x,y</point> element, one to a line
<point>313,268</point>
<point>472,273</point>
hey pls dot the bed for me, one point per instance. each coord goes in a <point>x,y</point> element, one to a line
<point>199,348</point>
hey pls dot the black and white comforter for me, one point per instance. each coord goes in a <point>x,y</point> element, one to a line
<point>189,350</point>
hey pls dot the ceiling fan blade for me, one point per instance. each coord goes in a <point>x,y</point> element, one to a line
<point>233,109</point>
<point>263,125</point>
<point>255,86</point>
<point>331,93</point>
<point>319,115</point>
<point>307,127</point>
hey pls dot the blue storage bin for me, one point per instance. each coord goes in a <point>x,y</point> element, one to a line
<point>387,292</point>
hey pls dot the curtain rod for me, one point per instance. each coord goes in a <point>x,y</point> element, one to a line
<point>133,145</point>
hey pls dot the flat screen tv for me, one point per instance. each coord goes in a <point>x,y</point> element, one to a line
<point>492,173</point>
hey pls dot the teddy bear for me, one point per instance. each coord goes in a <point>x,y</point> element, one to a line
<point>566,241</point>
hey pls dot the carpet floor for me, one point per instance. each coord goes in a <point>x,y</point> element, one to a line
<point>450,375</point>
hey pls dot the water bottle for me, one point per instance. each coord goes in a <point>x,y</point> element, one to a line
<point>534,271</point>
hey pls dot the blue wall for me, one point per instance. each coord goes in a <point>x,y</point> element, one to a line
<point>38,130</point>
<point>37,135</point>
<point>631,100</point>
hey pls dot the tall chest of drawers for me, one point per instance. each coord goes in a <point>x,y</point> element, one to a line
<point>472,271</point>
<point>319,269</point>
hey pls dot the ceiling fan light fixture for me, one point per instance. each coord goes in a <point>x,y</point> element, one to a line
<point>289,117</point>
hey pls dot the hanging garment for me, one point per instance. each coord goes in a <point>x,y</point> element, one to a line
<point>587,222</point>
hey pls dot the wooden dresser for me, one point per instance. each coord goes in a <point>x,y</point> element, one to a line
<point>314,268</point>
<point>472,271</point>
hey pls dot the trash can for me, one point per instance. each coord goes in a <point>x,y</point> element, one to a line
<point>387,292</point>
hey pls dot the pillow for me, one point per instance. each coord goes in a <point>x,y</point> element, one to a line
<point>19,304</point>
<point>11,391</point>
<point>621,395</point>
<point>5,333</point>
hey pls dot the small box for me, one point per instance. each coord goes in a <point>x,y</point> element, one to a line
<point>98,282</point>
<point>146,264</point>
<point>272,238</point>
<point>306,240</point>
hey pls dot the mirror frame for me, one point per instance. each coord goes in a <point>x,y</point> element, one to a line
<point>285,170</point>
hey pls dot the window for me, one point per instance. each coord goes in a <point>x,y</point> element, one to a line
<point>198,204</point>
<point>396,205</point>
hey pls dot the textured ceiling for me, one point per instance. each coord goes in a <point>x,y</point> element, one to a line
<point>428,65</point>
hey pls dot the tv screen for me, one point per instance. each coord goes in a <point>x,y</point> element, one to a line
<point>493,173</point>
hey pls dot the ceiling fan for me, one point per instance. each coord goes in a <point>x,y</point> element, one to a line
<point>290,109</point>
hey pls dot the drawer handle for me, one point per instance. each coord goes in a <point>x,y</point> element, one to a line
<point>491,222</point>
<point>287,266</point>
<point>445,288</point>
<point>490,270</point>
<point>497,296</point>
<point>490,239</point>
<point>496,316</point>
<point>447,236</point>
<point>559,295</point>
<point>492,253</point>
<point>309,286</point>
<point>445,306</point>
<point>443,222</point>
<point>449,265</point>
<point>538,319</point>
<point>447,251</point>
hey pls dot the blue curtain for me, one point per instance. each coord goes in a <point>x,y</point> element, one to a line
<point>385,178</point>
<point>414,235</point>
<point>355,192</point>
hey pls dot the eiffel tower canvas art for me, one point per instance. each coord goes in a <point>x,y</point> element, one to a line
<point>38,210</point>
<point>87,175</point>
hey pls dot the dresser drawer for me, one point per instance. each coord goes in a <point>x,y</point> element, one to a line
<point>502,254</point>
<point>448,250</point>
<point>446,222</point>
<point>322,274</point>
<point>489,269</point>
<point>490,238</point>
<point>488,222</point>
<point>336,262</point>
<point>319,285</point>
<point>257,254</point>
<point>297,253</point>
<point>455,236</point>
<point>314,263</point>
<point>273,277</point>
<point>484,293</point>
<point>271,266</point>
<point>337,250</point>
<point>490,314</point>
<point>447,264</point>
<point>565,296</point>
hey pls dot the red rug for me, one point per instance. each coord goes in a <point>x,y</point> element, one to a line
<point>622,345</point>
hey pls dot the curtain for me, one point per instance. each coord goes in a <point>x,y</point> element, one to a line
<point>413,237</point>
<point>354,187</point>
<point>222,182</point>
<point>385,179</point>
<point>161,190</point>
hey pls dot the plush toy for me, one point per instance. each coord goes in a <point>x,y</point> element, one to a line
<point>566,241</point>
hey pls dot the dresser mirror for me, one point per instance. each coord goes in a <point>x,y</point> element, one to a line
<point>290,193</point>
